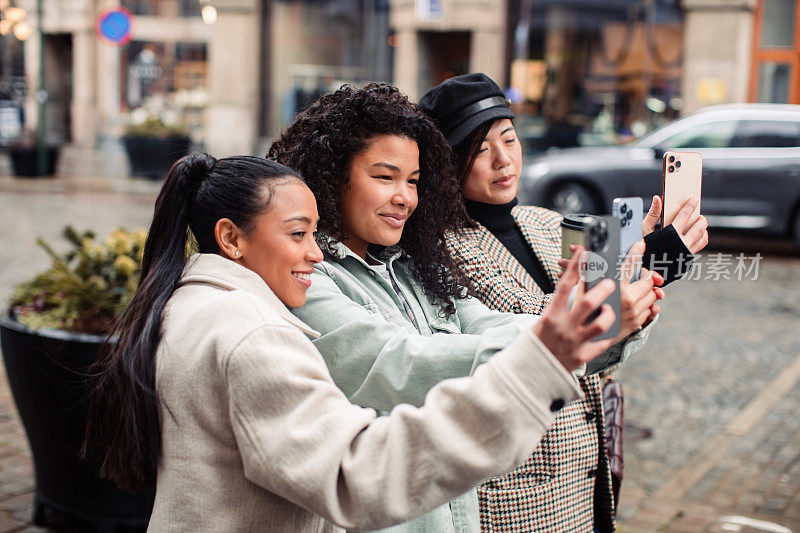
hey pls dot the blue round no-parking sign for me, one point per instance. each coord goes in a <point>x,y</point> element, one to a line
<point>114,26</point>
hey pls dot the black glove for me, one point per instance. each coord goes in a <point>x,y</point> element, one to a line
<point>666,254</point>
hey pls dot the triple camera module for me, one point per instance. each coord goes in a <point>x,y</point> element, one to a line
<point>673,164</point>
<point>625,215</point>
<point>598,234</point>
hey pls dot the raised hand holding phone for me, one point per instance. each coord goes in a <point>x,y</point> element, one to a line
<point>565,331</point>
<point>693,232</point>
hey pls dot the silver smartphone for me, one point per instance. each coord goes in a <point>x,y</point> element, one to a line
<point>629,211</point>
<point>602,240</point>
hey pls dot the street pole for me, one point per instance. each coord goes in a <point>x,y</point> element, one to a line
<point>41,149</point>
<point>264,71</point>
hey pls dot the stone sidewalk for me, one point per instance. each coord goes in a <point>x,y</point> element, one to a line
<point>16,470</point>
<point>714,396</point>
<point>746,478</point>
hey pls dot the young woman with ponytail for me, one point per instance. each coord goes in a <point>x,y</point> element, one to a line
<point>213,389</point>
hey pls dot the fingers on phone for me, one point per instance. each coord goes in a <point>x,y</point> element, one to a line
<point>643,316</point>
<point>653,216</point>
<point>569,278</point>
<point>699,244</point>
<point>697,234</point>
<point>599,325</point>
<point>592,300</point>
<point>685,212</point>
<point>658,279</point>
<point>632,260</point>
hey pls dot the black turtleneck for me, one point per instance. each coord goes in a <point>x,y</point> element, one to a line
<point>498,220</point>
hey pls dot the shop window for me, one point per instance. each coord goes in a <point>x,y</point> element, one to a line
<point>167,81</point>
<point>775,72</point>
<point>777,24</point>
<point>773,82</point>
<point>593,73</point>
<point>13,89</point>
<point>163,8</point>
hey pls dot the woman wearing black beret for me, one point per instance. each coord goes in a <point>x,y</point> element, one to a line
<point>511,253</point>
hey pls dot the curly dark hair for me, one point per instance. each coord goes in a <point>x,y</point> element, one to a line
<point>321,144</point>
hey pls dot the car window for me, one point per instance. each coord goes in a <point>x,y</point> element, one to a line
<point>767,134</point>
<point>710,135</point>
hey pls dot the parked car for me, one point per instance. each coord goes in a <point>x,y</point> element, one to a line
<point>751,169</point>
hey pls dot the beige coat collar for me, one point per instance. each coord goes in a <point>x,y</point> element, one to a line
<point>215,270</point>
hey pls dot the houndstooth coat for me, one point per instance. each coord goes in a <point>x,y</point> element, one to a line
<point>567,476</point>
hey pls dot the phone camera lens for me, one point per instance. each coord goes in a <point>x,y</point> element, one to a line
<point>672,159</point>
<point>623,208</point>
<point>599,235</point>
<point>629,215</point>
<point>671,168</point>
<point>677,164</point>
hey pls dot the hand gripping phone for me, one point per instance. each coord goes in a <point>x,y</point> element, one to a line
<point>682,179</point>
<point>629,211</point>
<point>601,238</point>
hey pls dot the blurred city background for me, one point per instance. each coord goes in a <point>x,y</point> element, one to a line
<point>229,74</point>
<point>102,96</point>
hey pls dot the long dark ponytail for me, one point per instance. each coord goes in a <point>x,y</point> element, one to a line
<point>124,424</point>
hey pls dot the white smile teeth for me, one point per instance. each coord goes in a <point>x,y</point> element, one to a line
<point>299,275</point>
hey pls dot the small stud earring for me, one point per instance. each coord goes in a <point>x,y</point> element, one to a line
<point>236,253</point>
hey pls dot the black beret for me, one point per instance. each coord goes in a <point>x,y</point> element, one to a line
<point>461,104</point>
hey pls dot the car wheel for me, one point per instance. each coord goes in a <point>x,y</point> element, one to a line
<point>571,198</point>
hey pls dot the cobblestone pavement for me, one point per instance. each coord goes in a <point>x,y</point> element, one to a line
<point>717,388</point>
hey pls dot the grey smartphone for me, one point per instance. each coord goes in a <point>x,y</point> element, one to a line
<point>629,211</point>
<point>602,240</point>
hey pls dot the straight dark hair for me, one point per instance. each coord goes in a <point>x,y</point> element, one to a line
<point>467,150</point>
<point>124,426</point>
<point>465,154</point>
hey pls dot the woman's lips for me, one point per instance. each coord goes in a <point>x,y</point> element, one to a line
<point>396,221</point>
<point>303,277</point>
<point>505,182</point>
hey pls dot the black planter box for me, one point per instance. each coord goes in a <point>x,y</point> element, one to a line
<point>25,161</point>
<point>152,157</point>
<point>46,372</point>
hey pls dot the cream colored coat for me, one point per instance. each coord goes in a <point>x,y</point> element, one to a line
<point>256,436</point>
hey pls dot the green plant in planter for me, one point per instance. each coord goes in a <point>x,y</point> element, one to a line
<point>154,126</point>
<point>85,288</point>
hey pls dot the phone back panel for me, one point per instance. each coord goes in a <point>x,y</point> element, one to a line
<point>609,253</point>
<point>629,211</point>
<point>682,180</point>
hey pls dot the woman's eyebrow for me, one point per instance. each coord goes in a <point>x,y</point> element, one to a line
<point>392,167</point>
<point>506,130</point>
<point>387,166</point>
<point>300,218</point>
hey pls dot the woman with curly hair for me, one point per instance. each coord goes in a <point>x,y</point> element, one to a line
<point>388,300</point>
